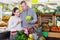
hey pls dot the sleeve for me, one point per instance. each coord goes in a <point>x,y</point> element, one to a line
<point>34,16</point>
<point>10,24</point>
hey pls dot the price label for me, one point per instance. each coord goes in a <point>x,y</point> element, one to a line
<point>42,1</point>
<point>0,13</point>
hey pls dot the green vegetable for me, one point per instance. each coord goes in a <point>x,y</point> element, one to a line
<point>21,36</point>
<point>58,9</point>
<point>36,9</point>
<point>28,18</point>
<point>44,33</point>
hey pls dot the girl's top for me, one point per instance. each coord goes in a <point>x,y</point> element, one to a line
<point>12,24</point>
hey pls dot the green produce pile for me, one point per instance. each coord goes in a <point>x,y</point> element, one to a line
<point>45,10</point>
<point>21,36</point>
<point>58,9</point>
<point>36,9</point>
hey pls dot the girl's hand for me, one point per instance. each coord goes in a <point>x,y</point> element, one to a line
<point>18,22</point>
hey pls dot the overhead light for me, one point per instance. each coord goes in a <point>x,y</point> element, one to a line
<point>5,1</point>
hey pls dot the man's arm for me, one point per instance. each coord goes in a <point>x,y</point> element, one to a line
<point>34,17</point>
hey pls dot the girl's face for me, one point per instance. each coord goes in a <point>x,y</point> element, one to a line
<point>17,13</point>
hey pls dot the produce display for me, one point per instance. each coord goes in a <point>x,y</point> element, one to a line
<point>46,27</point>
<point>46,23</point>
<point>6,17</point>
<point>3,24</point>
<point>58,9</point>
<point>36,9</point>
<point>26,35</point>
<point>30,37</point>
<point>44,10</point>
<point>21,36</point>
<point>44,33</point>
<point>57,29</point>
<point>57,26</point>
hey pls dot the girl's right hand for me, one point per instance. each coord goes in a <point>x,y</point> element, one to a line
<point>18,22</point>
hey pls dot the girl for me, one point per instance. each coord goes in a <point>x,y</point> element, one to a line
<point>14,23</point>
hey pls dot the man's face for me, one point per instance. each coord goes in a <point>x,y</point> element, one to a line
<point>24,6</point>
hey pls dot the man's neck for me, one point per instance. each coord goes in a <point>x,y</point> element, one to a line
<point>26,8</point>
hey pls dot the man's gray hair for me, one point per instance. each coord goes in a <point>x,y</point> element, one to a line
<point>23,2</point>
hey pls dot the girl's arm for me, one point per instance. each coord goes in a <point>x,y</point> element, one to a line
<point>11,25</point>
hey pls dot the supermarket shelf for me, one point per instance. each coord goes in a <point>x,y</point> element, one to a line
<point>57,14</point>
<point>45,14</point>
<point>54,34</point>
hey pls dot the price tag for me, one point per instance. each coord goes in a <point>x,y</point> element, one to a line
<point>0,13</point>
<point>42,1</point>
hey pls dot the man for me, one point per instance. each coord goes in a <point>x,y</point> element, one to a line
<point>27,11</point>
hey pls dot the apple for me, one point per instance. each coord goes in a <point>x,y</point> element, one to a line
<point>30,36</point>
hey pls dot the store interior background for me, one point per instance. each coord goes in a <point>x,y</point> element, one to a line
<point>48,12</point>
<point>6,7</point>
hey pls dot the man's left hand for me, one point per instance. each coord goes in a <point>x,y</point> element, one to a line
<point>29,22</point>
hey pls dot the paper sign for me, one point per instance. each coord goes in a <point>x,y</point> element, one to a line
<point>40,1</point>
<point>0,13</point>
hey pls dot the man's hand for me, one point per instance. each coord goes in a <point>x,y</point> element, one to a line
<point>28,21</point>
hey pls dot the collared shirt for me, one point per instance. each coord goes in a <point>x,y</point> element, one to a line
<point>25,13</point>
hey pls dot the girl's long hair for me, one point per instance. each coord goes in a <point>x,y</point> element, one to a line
<point>14,10</point>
